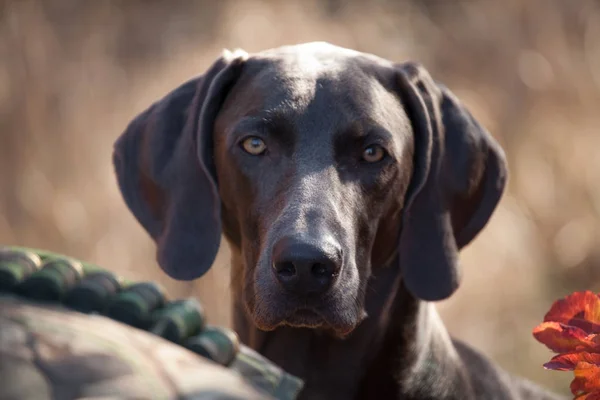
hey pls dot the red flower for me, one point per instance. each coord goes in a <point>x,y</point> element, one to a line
<point>572,328</point>
<point>587,381</point>
<point>562,338</point>
<point>580,309</point>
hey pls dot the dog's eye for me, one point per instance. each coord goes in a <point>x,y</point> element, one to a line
<point>254,145</point>
<point>373,153</point>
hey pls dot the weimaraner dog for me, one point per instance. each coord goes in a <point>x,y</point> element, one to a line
<point>345,185</point>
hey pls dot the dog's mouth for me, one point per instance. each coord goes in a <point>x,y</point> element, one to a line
<point>305,318</point>
<point>338,310</point>
<point>339,325</point>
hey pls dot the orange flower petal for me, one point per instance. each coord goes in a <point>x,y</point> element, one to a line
<point>587,378</point>
<point>563,338</point>
<point>568,361</point>
<point>580,309</point>
<point>595,395</point>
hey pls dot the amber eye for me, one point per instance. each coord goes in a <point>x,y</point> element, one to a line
<point>373,153</point>
<point>254,145</point>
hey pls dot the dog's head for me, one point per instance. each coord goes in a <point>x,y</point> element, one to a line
<point>319,164</point>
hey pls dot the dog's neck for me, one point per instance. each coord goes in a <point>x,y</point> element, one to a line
<point>401,334</point>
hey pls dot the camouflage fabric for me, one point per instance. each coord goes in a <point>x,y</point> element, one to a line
<point>49,352</point>
<point>67,354</point>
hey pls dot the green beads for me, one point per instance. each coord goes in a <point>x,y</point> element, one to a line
<point>178,320</point>
<point>53,280</point>
<point>15,266</point>
<point>93,292</point>
<point>218,344</point>
<point>134,305</point>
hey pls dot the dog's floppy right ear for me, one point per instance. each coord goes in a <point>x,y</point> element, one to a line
<point>163,162</point>
<point>459,177</point>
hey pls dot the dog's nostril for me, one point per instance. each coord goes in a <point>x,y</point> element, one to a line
<point>320,270</point>
<point>285,269</point>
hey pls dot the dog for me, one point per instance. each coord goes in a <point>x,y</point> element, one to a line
<point>345,185</point>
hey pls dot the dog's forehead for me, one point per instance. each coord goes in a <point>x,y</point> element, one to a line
<point>306,61</point>
<point>317,56</point>
<point>291,78</point>
<point>313,62</point>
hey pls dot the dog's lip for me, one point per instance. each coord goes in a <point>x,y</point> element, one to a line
<point>308,317</point>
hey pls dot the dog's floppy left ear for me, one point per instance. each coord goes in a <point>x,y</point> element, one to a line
<point>459,176</point>
<point>164,167</point>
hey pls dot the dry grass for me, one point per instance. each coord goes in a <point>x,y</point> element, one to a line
<point>73,73</point>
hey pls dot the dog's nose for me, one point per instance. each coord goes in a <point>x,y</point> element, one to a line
<point>305,268</point>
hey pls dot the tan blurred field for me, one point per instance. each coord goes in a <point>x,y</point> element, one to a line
<point>73,73</point>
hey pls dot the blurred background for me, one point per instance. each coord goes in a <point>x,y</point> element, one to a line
<point>73,73</point>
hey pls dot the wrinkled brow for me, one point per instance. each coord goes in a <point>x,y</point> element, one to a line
<point>266,123</point>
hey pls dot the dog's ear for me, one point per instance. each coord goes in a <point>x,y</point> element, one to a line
<point>164,167</point>
<point>459,176</point>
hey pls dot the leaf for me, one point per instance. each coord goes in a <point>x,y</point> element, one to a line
<point>587,378</point>
<point>580,309</point>
<point>569,361</point>
<point>562,338</point>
